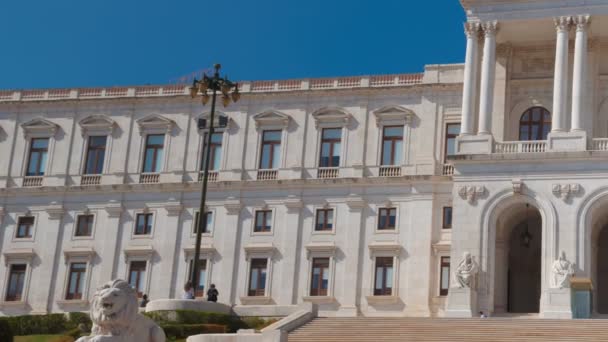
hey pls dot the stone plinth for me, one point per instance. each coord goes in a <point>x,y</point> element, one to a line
<point>462,302</point>
<point>556,303</point>
<point>474,144</point>
<point>566,141</point>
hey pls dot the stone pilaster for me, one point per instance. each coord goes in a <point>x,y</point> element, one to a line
<point>167,250</point>
<point>227,269</point>
<point>110,231</point>
<point>289,244</point>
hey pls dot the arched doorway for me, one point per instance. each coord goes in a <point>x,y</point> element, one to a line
<point>517,284</point>
<point>602,272</point>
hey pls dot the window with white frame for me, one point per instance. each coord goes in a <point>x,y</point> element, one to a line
<point>37,157</point>
<point>392,145</point>
<point>25,227</point>
<point>258,271</point>
<point>447,218</point>
<point>331,141</point>
<point>387,218</point>
<point>153,153</point>
<point>270,155</point>
<point>324,220</point>
<point>143,224</point>
<point>383,276</point>
<point>263,221</point>
<point>137,276</point>
<point>319,282</point>
<point>76,280</point>
<point>84,225</point>
<point>207,222</point>
<point>444,277</point>
<point>96,153</point>
<point>16,282</point>
<point>215,156</point>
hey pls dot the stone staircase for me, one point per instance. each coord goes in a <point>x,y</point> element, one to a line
<point>449,330</point>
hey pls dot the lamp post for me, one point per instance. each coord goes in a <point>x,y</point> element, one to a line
<point>230,92</point>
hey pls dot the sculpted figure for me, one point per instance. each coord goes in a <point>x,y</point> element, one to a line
<point>115,317</point>
<point>562,270</point>
<point>466,271</point>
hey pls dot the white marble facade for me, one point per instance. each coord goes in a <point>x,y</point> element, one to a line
<point>526,178</point>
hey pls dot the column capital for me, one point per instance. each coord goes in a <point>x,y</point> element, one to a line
<point>562,24</point>
<point>490,28</point>
<point>582,22</point>
<point>471,29</point>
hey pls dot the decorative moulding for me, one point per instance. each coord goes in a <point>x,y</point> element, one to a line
<point>145,251</point>
<point>173,208</point>
<point>233,206</point>
<point>321,247</point>
<point>39,128</point>
<point>114,209</point>
<point>393,115</point>
<point>256,300</point>
<point>155,122</point>
<point>79,252</point>
<point>55,212</point>
<point>382,300</point>
<point>355,202</point>
<point>471,192</point>
<point>207,251</point>
<point>517,186</point>
<point>564,191</point>
<point>97,124</point>
<point>331,117</point>
<point>19,254</point>
<point>271,119</point>
<point>293,204</point>
<point>442,247</point>
<point>260,248</point>
<point>384,246</point>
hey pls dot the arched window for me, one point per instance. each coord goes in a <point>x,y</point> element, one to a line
<point>535,124</point>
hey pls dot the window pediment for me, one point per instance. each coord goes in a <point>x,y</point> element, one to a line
<point>331,117</point>
<point>138,251</point>
<point>39,128</point>
<point>207,251</point>
<point>79,252</point>
<point>271,119</point>
<point>393,115</point>
<point>260,249</point>
<point>26,254</point>
<point>155,123</point>
<point>97,124</point>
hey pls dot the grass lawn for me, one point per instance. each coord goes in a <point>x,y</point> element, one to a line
<point>43,338</point>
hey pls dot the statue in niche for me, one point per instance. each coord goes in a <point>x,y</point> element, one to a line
<point>466,271</point>
<point>562,270</point>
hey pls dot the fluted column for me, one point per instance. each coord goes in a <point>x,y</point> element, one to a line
<point>579,72</point>
<point>488,68</point>
<point>470,79</point>
<point>560,79</point>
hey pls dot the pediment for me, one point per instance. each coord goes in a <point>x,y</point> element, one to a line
<point>97,123</point>
<point>39,127</point>
<point>393,115</point>
<point>271,118</point>
<point>331,116</point>
<point>155,122</point>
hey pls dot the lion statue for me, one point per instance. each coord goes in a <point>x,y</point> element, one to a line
<point>115,316</point>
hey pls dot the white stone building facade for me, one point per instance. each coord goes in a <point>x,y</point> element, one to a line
<point>336,191</point>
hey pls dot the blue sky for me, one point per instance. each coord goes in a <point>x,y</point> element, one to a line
<point>84,43</point>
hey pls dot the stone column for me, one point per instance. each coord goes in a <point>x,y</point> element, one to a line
<point>226,271</point>
<point>560,80</point>
<point>290,250</point>
<point>167,250</point>
<point>470,79</point>
<point>579,77</point>
<point>352,259</point>
<point>111,227</point>
<point>488,68</point>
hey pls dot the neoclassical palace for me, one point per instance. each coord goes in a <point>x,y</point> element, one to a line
<point>359,194</point>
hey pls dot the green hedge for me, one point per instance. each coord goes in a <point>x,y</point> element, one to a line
<point>6,333</point>
<point>178,331</point>
<point>47,324</point>
<point>232,323</point>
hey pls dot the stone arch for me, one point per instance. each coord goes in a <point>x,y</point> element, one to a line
<point>519,107</point>
<point>495,207</point>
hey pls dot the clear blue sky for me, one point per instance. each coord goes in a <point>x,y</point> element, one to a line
<point>84,43</point>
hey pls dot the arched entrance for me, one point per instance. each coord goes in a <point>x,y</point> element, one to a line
<point>517,284</point>
<point>599,258</point>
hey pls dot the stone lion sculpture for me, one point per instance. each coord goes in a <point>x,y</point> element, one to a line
<point>115,316</point>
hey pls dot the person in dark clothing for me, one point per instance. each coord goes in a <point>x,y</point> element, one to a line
<point>212,294</point>
<point>144,301</point>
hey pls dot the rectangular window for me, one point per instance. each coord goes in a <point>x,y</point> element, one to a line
<point>25,227</point>
<point>39,150</point>
<point>320,277</point>
<point>96,153</point>
<point>153,155</point>
<point>216,151</point>
<point>271,150</point>
<point>384,276</point>
<point>84,225</point>
<point>137,273</point>
<point>331,140</point>
<point>76,280</point>
<point>199,290</point>
<point>263,221</point>
<point>444,281</point>
<point>143,224</point>
<point>208,220</point>
<point>324,220</point>
<point>392,145</point>
<point>451,133</point>
<point>16,282</point>
<point>387,218</point>
<point>447,217</point>
<point>257,277</point>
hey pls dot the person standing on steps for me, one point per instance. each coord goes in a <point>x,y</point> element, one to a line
<point>212,294</point>
<point>144,301</point>
<point>188,291</point>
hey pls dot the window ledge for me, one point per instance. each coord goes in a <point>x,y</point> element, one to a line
<point>79,302</point>
<point>13,304</point>
<point>382,300</point>
<point>319,299</point>
<point>256,300</point>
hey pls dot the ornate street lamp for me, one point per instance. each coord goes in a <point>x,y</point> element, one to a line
<point>230,92</point>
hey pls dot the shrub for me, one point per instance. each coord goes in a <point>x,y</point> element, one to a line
<point>6,333</point>
<point>257,323</point>
<point>176,331</point>
<point>38,324</point>
<point>75,319</point>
